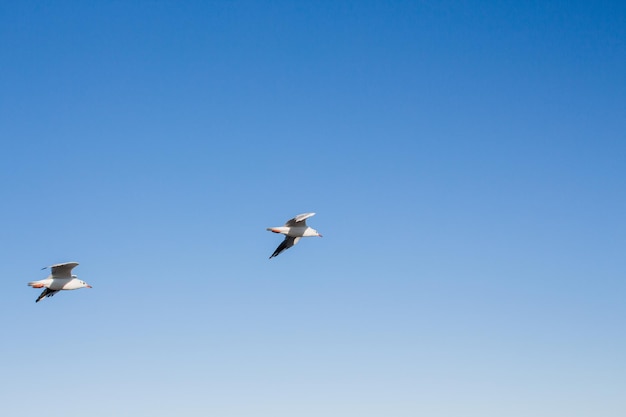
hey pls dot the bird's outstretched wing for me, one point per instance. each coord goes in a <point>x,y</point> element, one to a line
<point>62,270</point>
<point>46,293</point>
<point>285,244</point>
<point>299,220</point>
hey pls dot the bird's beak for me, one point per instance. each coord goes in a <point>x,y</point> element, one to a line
<point>320,235</point>
<point>89,286</point>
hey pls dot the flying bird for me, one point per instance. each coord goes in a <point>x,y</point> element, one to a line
<point>61,278</point>
<point>293,230</point>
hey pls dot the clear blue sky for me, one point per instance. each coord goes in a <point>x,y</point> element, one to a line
<point>466,160</point>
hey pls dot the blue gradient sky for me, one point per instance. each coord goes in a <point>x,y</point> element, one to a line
<point>466,160</point>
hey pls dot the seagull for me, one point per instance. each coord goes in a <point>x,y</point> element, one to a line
<point>293,230</point>
<point>61,278</point>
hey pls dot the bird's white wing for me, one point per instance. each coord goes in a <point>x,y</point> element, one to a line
<point>299,220</point>
<point>62,270</point>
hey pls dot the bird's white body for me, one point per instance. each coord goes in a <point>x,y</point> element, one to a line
<point>58,284</point>
<point>60,279</point>
<point>293,230</point>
